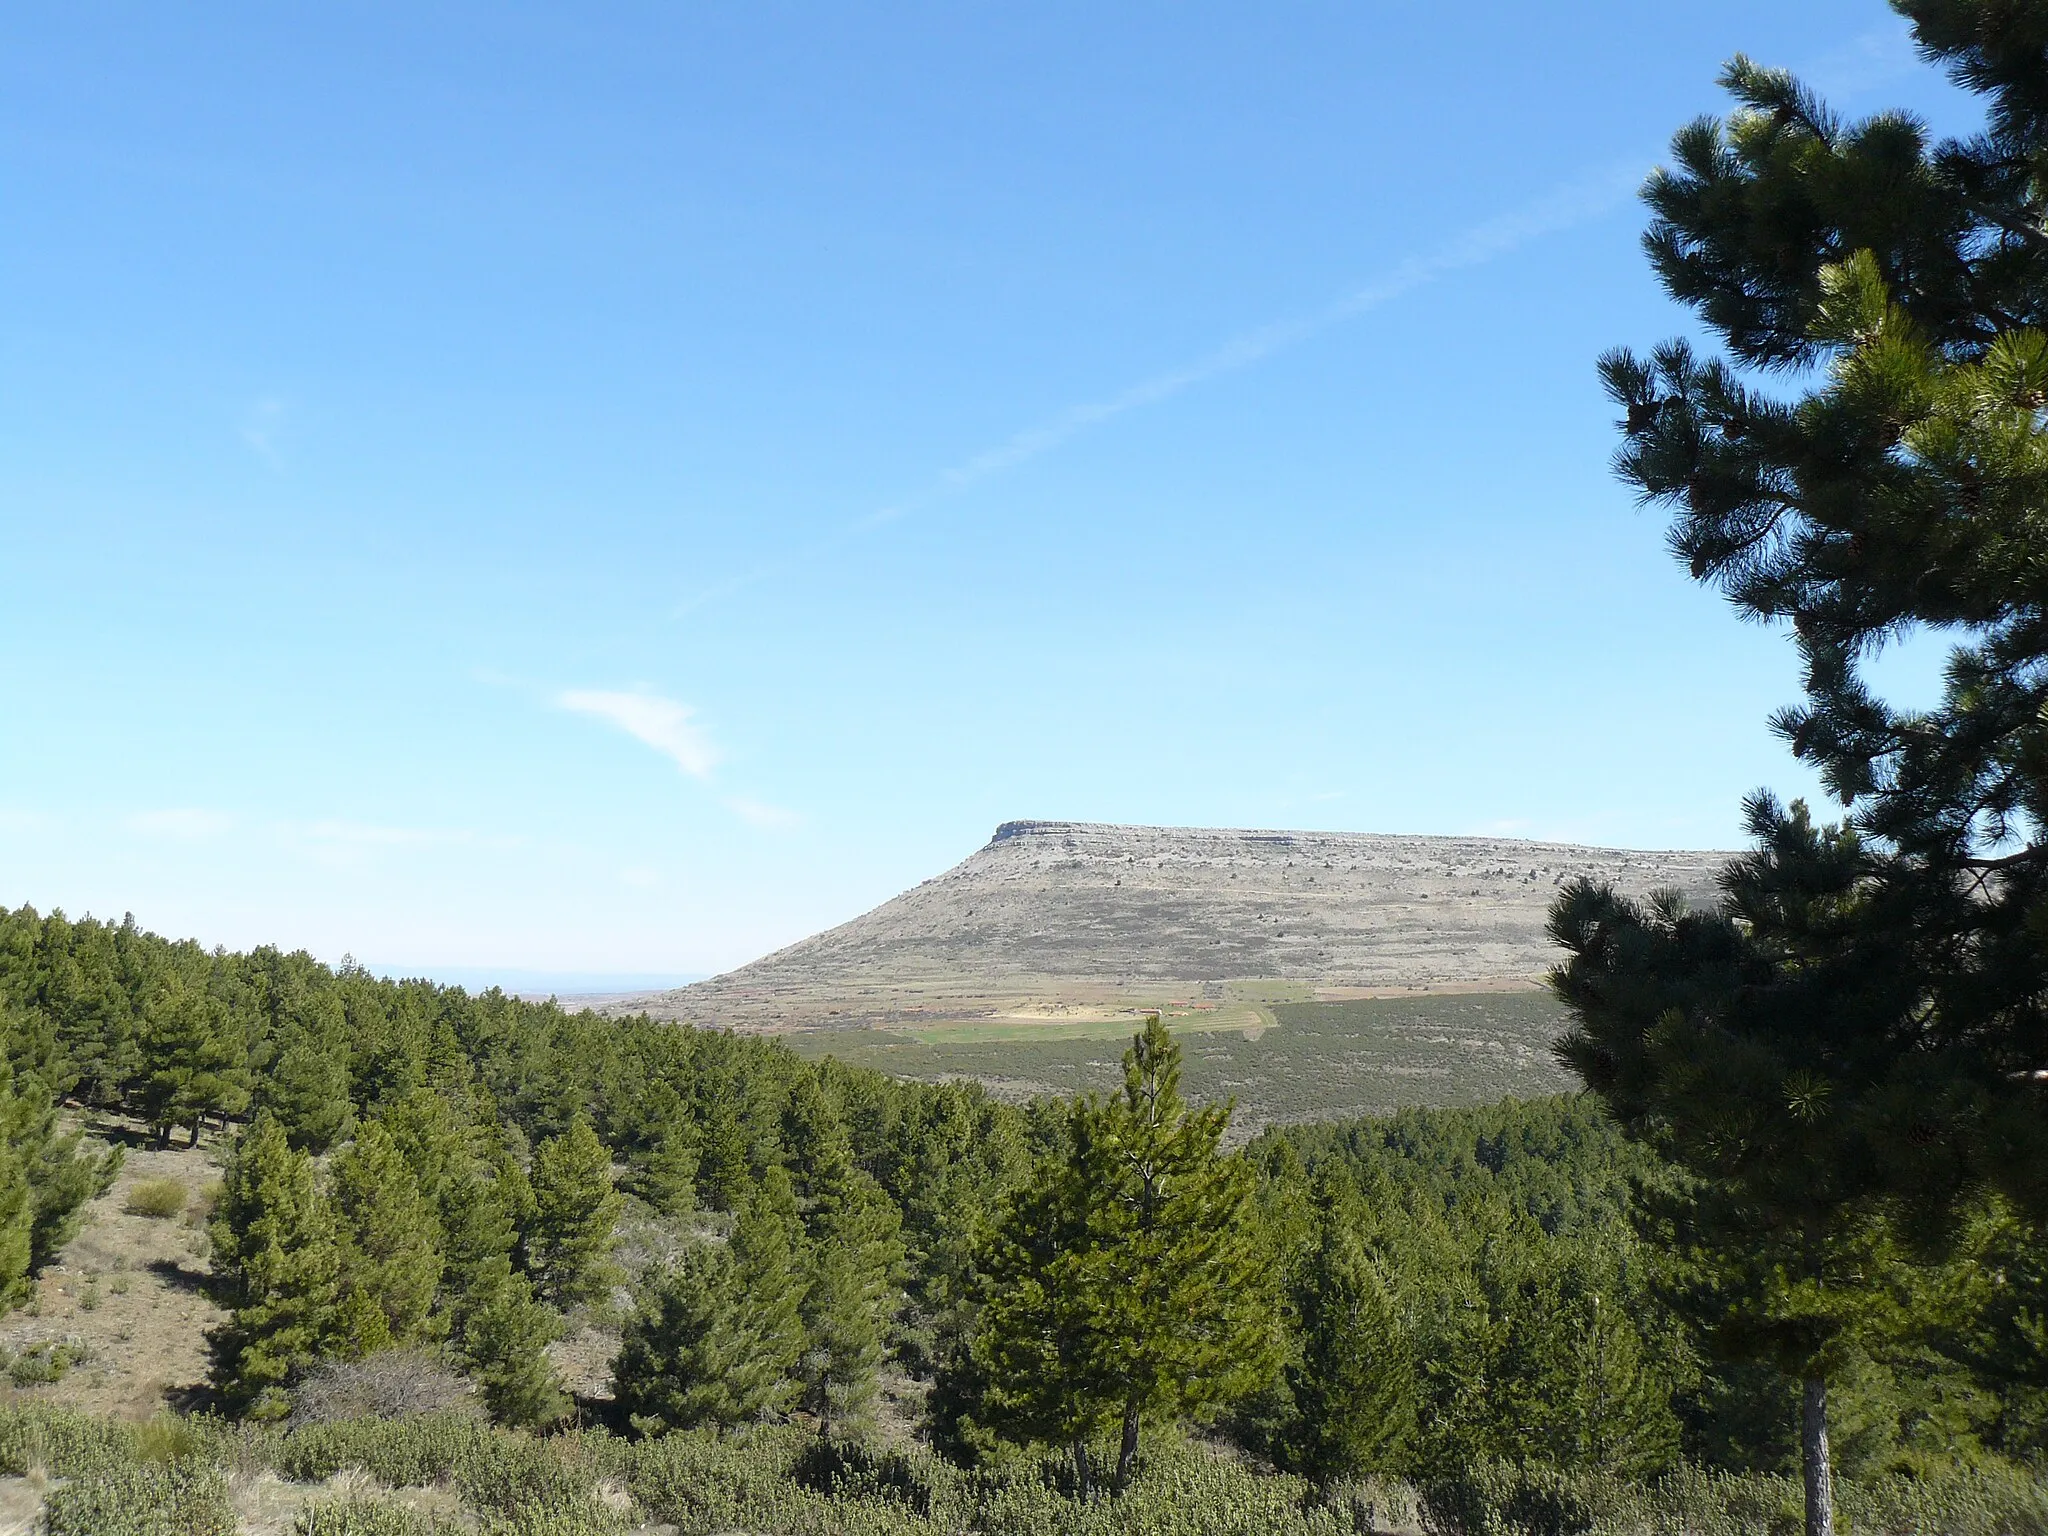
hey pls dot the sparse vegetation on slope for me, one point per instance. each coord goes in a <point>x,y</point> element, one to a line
<point>1055,919</point>
<point>1303,1061</point>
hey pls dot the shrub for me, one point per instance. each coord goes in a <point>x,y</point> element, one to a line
<point>61,1442</point>
<point>536,1487</point>
<point>698,1480</point>
<point>399,1453</point>
<point>47,1361</point>
<point>1983,1501</point>
<point>158,1199</point>
<point>368,1517</point>
<point>846,1469</point>
<point>168,1438</point>
<point>392,1384</point>
<point>174,1498</point>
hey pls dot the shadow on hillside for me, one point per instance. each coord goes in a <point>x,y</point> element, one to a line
<point>183,1277</point>
<point>198,1398</point>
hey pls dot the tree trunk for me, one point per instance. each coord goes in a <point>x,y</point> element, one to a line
<point>1127,1452</point>
<point>1081,1469</point>
<point>1813,1448</point>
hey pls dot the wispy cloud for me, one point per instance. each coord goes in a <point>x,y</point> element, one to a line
<point>670,727</point>
<point>183,824</point>
<point>1585,197</point>
<point>662,724</point>
<point>1568,205</point>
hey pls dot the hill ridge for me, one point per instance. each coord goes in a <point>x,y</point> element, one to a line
<point>1071,913</point>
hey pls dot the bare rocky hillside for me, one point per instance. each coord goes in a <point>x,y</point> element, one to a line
<point>1054,915</point>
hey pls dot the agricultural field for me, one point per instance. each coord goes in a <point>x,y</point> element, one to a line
<point>1282,1061</point>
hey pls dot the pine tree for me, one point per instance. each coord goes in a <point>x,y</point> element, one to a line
<point>189,1064</point>
<point>1573,1381</point>
<point>686,1360</point>
<point>1888,496</point>
<point>94,1015</point>
<point>275,1249</point>
<point>1352,1381</point>
<point>306,1090</point>
<point>855,1245</point>
<point>472,1197</point>
<point>769,1259</point>
<point>665,1171</point>
<point>47,1174</point>
<point>390,1244</point>
<point>477,1231</point>
<point>723,1175</point>
<point>18,1149</point>
<point>1128,1283</point>
<point>504,1334</point>
<point>1886,488</point>
<point>392,1041</point>
<point>576,1215</point>
<point>718,1338</point>
<point>1718,1036</point>
<point>814,1139</point>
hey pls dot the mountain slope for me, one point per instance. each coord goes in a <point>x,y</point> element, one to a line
<point>1070,915</point>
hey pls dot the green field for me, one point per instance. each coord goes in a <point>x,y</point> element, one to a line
<point>1319,1059</point>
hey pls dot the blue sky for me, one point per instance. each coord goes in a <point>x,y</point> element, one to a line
<point>605,491</point>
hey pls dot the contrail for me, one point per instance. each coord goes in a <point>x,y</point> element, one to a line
<point>1575,202</point>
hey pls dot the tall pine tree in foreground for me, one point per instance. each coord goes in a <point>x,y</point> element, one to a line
<point>850,1293</point>
<point>275,1249</point>
<point>718,1337</point>
<point>390,1244</point>
<point>1863,1024</point>
<point>1128,1283</point>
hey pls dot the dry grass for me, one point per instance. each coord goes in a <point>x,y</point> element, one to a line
<point>158,1199</point>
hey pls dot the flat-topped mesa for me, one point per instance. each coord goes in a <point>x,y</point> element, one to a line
<point>1055,908</point>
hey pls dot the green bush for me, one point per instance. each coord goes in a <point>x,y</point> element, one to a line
<point>400,1453</point>
<point>171,1498</point>
<point>158,1199</point>
<point>1500,1499</point>
<point>61,1442</point>
<point>536,1487</point>
<point>170,1438</point>
<point>47,1361</point>
<point>784,1482</point>
<point>698,1480</point>
<point>1497,1498</point>
<point>368,1517</point>
<point>167,1477</point>
<point>1986,1501</point>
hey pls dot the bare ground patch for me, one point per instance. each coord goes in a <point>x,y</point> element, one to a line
<point>134,1290</point>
